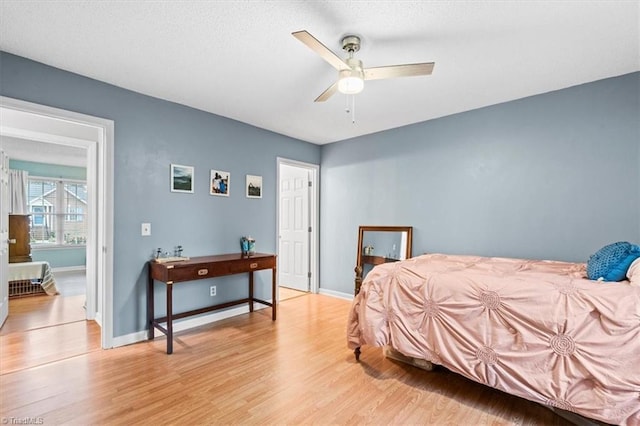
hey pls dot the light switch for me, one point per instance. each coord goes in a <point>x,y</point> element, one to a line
<point>146,229</point>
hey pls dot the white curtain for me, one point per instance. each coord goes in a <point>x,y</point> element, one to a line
<point>18,183</point>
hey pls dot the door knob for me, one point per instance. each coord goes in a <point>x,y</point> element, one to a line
<point>11,241</point>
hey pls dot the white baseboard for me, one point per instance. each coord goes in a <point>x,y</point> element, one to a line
<point>337,294</point>
<point>186,324</point>
<point>68,269</point>
<point>129,339</point>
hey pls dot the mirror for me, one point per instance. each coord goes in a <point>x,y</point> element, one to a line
<point>381,244</point>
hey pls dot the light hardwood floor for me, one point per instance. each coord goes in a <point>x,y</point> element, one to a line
<point>285,293</point>
<point>56,323</point>
<point>250,370</point>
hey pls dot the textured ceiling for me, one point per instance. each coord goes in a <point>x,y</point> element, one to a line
<point>238,58</point>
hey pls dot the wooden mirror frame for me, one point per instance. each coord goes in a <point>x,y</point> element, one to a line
<point>376,260</point>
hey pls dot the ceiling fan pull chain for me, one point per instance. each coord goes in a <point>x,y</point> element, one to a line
<point>353,109</point>
<point>351,106</point>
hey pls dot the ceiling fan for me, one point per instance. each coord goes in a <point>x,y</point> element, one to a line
<point>351,74</point>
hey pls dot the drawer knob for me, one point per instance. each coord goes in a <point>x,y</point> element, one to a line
<point>203,272</point>
<point>253,265</point>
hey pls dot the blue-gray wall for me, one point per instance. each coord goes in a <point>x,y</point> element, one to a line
<point>554,176</point>
<point>65,257</point>
<point>150,134</point>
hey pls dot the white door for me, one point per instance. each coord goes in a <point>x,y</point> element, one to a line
<point>4,237</point>
<point>293,261</point>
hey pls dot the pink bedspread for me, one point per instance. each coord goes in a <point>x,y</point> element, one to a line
<point>536,329</point>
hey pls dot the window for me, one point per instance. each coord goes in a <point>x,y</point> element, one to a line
<point>58,212</point>
<point>37,219</point>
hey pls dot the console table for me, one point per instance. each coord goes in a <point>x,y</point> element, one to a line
<point>197,268</point>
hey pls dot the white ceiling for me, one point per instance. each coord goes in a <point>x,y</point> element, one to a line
<point>238,59</point>
<point>43,139</point>
<point>43,152</point>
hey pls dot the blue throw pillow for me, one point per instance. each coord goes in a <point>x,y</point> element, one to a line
<point>611,262</point>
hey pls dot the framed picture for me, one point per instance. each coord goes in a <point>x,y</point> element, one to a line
<point>181,178</point>
<point>254,186</point>
<point>220,182</point>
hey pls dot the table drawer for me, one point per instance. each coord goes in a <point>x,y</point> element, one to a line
<point>188,272</point>
<point>251,264</point>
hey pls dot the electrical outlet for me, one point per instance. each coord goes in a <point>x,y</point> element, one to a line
<point>212,290</point>
<point>145,229</point>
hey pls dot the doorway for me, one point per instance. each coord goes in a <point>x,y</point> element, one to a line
<point>28,121</point>
<point>297,228</point>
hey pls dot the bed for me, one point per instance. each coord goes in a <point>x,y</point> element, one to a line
<point>31,278</point>
<point>536,329</point>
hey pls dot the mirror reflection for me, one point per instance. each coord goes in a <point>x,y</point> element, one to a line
<point>381,244</point>
<point>390,245</point>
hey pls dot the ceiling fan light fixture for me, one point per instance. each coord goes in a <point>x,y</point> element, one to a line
<point>350,84</point>
<point>351,81</point>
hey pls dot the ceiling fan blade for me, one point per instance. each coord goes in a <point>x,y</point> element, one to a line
<point>322,50</point>
<point>392,71</point>
<point>327,93</point>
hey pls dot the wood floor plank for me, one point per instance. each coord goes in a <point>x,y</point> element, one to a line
<point>28,313</point>
<point>32,348</point>
<point>250,370</point>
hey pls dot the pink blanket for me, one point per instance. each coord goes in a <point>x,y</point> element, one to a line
<point>536,329</point>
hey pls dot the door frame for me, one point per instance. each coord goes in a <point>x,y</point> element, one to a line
<point>99,182</point>
<point>4,236</point>
<point>314,217</point>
